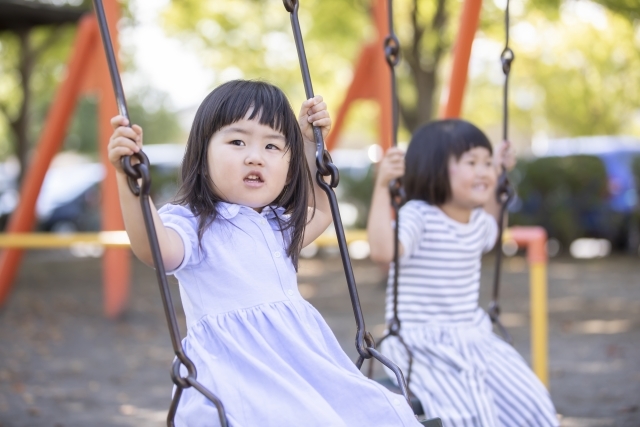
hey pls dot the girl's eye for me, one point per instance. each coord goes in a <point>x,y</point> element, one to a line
<point>272,147</point>
<point>237,142</point>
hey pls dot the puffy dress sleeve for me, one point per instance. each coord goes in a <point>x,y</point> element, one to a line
<point>182,220</point>
<point>490,230</point>
<point>412,224</point>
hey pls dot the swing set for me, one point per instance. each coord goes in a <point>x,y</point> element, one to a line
<point>117,264</point>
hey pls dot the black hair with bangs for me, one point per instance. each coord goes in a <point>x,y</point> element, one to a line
<point>427,159</point>
<point>228,104</point>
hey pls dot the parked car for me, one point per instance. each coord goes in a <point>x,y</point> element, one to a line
<point>70,196</point>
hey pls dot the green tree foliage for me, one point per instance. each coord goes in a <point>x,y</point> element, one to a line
<point>252,39</point>
<point>49,48</point>
<point>36,57</point>
<point>148,108</point>
<point>574,74</point>
<point>568,197</point>
<point>571,76</point>
<point>628,9</point>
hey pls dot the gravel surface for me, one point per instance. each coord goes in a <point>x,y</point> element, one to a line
<point>63,364</point>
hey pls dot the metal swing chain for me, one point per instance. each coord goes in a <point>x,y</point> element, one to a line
<point>396,191</point>
<point>365,345</point>
<point>139,179</point>
<point>504,190</point>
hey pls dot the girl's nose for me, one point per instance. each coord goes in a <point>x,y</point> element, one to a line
<point>254,157</point>
<point>484,171</point>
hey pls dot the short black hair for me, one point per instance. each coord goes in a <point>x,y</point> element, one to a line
<point>228,104</point>
<point>427,159</point>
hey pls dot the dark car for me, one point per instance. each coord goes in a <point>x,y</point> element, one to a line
<point>70,197</point>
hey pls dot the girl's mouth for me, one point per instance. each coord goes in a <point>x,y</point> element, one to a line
<point>253,179</point>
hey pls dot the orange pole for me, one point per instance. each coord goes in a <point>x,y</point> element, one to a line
<point>468,26</point>
<point>370,81</point>
<point>361,87</point>
<point>383,75</point>
<point>50,142</point>
<point>535,239</point>
<point>116,262</point>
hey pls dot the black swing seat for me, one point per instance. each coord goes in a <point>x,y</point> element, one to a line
<point>415,403</point>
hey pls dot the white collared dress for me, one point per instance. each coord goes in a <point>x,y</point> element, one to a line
<point>462,372</point>
<point>256,343</point>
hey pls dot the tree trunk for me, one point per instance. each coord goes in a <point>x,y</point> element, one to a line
<point>20,125</point>
<point>423,60</point>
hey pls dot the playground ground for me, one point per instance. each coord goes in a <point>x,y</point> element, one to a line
<point>62,364</point>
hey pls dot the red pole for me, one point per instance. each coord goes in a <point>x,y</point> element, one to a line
<point>468,26</point>
<point>116,262</point>
<point>51,139</point>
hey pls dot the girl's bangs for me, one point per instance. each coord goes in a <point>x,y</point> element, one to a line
<point>266,103</point>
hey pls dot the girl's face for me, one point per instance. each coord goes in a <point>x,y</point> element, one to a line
<point>472,178</point>
<point>248,163</point>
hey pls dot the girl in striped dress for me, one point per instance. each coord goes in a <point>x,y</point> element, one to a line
<point>462,372</point>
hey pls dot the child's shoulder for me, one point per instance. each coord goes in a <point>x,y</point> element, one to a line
<point>177,210</point>
<point>223,210</point>
<point>479,216</point>
<point>419,206</point>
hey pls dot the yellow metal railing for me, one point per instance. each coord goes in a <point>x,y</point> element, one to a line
<point>111,239</point>
<point>532,238</point>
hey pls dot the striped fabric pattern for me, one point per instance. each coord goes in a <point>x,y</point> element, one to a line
<point>462,372</point>
<point>440,268</point>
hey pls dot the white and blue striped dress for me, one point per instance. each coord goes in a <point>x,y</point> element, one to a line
<point>462,372</point>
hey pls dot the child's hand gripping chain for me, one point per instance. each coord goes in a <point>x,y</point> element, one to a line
<point>125,141</point>
<point>313,112</point>
<point>504,157</point>
<point>391,167</point>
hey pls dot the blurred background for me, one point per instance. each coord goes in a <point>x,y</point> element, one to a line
<point>575,123</point>
<point>575,117</point>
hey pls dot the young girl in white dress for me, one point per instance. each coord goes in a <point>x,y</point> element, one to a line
<point>462,372</point>
<point>246,207</point>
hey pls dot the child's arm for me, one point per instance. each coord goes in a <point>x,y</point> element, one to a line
<point>379,226</point>
<point>504,156</point>
<point>314,112</point>
<point>126,141</point>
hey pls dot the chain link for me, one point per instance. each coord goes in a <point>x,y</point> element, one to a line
<point>504,190</point>
<point>139,180</point>
<point>365,344</point>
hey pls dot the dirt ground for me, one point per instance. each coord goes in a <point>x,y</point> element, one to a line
<point>62,364</point>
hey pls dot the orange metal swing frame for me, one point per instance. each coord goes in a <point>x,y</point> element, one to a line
<point>87,72</point>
